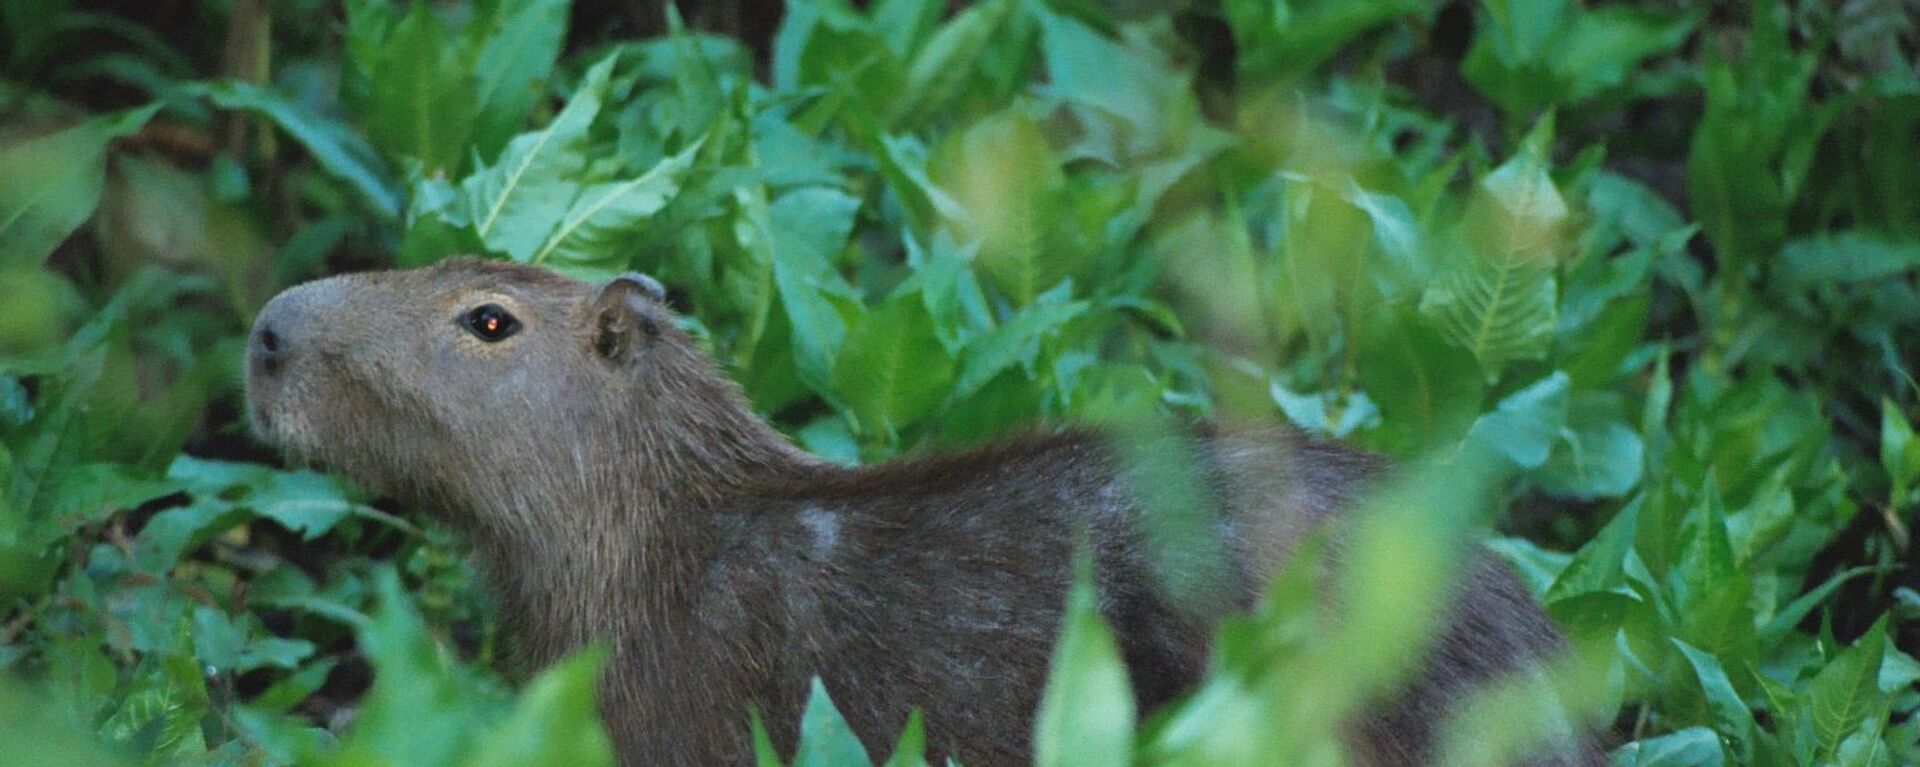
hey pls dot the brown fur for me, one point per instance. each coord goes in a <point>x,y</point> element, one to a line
<point>619,489</point>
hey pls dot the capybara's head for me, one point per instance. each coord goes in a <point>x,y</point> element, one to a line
<point>471,384</point>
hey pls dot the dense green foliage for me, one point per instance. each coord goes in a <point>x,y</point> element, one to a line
<point>1636,285</point>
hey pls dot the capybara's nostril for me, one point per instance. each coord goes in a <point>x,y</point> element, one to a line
<point>268,349</point>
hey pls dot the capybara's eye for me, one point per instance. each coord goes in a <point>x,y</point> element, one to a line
<point>489,322</point>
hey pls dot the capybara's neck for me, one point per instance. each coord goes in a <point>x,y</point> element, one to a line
<point>609,532</point>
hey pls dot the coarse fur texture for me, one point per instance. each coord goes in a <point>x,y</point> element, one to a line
<point>619,489</point>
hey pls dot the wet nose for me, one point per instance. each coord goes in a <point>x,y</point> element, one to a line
<point>277,333</point>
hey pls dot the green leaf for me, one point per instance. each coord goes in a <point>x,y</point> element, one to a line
<point>1691,747</point>
<point>93,492</point>
<point>1331,413</point>
<point>937,72</point>
<point>1086,715</point>
<point>1524,426</point>
<point>294,688</point>
<point>1731,715</point>
<point>419,101</point>
<point>955,302</point>
<point>1899,454</point>
<point>520,43</point>
<point>1595,459</point>
<point>911,749</point>
<point>857,67</point>
<point>1751,148</point>
<point>1787,618</point>
<point>1598,565</point>
<point>411,676</point>
<point>334,146</point>
<point>301,501</point>
<point>1638,212</point>
<point>892,369</point>
<point>825,738</point>
<point>514,202</point>
<point>1530,55</point>
<point>764,754</point>
<point>1017,341</point>
<point>797,237</point>
<point>1007,180</point>
<point>905,24</point>
<point>1277,40</point>
<point>1847,690</point>
<point>1135,85</point>
<point>554,721</point>
<point>802,20</point>
<point>591,239</point>
<point>53,184</point>
<point>1845,257</point>
<point>1501,301</point>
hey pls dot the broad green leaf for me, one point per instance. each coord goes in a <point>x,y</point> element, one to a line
<point>1636,211</point>
<point>892,369</point>
<point>1535,566</point>
<point>1710,592</point>
<point>554,721</point>
<point>764,754</point>
<point>1788,617</point>
<point>1525,425</point>
<point>830,438</point>
<point>1607,42</point>
<point>514,202</point>
<point>591,239</point>
<point>419,102</point>
<point>1500,300</point>
<point>825,738</point>
<point>1086,715</point>
<point>955,302</point>
<point>53,184</point>
<point>301,501</point>
<point>1004,175</point>
<point>801,21</point>
<point>1595,459</point>
<point>294,688</point>
<point>1847,690</point>
<point>93,492</point>
<point>1407,546</point>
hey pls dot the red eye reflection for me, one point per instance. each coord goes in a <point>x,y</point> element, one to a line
<point>490,323</point>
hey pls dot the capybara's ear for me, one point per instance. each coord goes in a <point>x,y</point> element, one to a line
<point>625,316</point>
